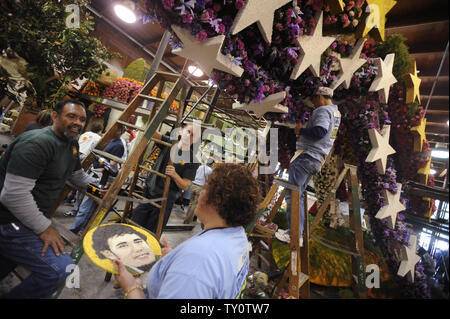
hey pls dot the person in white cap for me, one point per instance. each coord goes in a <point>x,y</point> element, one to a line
<point>314,143</point>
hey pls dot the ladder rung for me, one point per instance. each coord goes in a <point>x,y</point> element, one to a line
<point>171,77</point>
<point>151,98</point>
<point>98,200</point>
<point>131,125</point>
<point>153,171</point>
<point>143,198</point>
<point>161,142</point>
<point>109,156</point>
<point>285,184</point>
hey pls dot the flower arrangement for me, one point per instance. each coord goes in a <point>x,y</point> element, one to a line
<point>123,90</point>
<point>267,69</point>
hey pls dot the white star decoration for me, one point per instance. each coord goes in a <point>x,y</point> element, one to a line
<point>392,206</point>
<point>349,66</point>
<point>311,49</point>
<point>385,78</point>
<point>407,266</point>
<point>260,11</point>
<point>207,53</point>
<point>269,104</point>
<point>380,148</point>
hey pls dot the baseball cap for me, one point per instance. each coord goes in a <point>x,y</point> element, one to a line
<point>323,90</point>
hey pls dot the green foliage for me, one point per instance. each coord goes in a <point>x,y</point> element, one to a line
<point>137,70</point>
<point>36,30</point>
<point>395,43</point>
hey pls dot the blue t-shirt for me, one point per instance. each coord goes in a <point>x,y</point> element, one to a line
<point>328,117</point>
<point>211,265</point>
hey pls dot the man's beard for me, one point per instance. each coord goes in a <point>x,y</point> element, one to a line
<point>71,135</point>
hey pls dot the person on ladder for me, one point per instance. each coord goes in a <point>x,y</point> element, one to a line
<point>181,174</point>
<point>314,143</point>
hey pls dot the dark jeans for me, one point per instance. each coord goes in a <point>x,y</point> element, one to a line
<point>147,215</point>
<point>20,246</point>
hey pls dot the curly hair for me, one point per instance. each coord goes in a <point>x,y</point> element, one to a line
<point>234,192</point>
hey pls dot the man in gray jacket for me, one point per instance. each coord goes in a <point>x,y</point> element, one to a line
<point>33,171</point>
<point>314,144</point>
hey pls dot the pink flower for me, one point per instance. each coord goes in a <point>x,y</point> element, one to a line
<point>221,28</point>
<point>239,4</point>
<point>168,4</point>
<point>202,36</point>
<point>187,17</point>
<point>240,45</point>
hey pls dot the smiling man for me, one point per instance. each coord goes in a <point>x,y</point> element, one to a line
<point>33,171</point>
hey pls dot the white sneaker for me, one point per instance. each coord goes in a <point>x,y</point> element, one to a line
<point>283,236</point>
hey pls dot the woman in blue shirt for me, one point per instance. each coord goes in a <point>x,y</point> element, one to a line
<point>214,263</point>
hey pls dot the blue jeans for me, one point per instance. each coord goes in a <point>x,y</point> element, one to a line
<point>301,170</point>
<point>85,212</point>
<point>21,246</point>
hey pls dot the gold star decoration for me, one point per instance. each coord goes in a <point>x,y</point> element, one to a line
<point>336,6</point>
<point>207,53</point>
<point>311,49</point>
<point>260,11</point>
<point>424,172</point>
<point>412,83</point>
<point>269,104</point>
<point>419,135</point>
<point>374,20</point>
<point>409,259</point>
<point>392,206</point>
<point>384,79</point>
<point>349,66</point>
<point>380,148</point>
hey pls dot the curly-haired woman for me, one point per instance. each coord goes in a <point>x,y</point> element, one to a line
<point>214,263</point>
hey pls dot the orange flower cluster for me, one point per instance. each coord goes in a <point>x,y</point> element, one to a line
<point>131,80</point>
<point>91,88</point>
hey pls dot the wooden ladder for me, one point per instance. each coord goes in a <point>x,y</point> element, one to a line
<point>297,271</point>
<point>158,114</point>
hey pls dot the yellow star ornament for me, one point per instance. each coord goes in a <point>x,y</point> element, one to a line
<point>412,82</point>
<point>260,11</point>
<point>207,53</point>
<point>375,19</point>
<point>392,206</point>
<point>425,172</point>
<point>419,135</point>
<point>380,148</point>
<point>409,259</point>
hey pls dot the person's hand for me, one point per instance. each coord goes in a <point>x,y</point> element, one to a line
<point>51,237</point>
<point>125,279</point>
<point>166,248</point>
<point>298,126</point>
<point>170,171</point>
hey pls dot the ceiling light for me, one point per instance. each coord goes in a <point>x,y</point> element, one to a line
<point>195,71</point>
<point>432,171</point>
<point>439,154</point>
<point>125,13</point>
